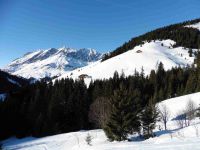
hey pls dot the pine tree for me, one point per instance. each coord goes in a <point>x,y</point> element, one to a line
<point>149,118</point>
<point>121,118</point>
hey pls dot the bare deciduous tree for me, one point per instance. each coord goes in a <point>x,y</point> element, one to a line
<point>99,112</point>
<point>180,121</point>
<point>196,130</point>
<point>164,115</point>
<point>187,114</point>
<point>190,111</point>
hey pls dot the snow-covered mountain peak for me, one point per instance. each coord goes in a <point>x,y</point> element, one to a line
<point>65,49</point>
<point>52,62</point>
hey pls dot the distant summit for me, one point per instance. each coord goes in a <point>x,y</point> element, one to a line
<point>52,62</point>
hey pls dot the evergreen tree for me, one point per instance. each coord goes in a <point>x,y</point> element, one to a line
<point>190,52</point>
<point>88,139</point>
<point>121,118</point>
<point>149,118</point>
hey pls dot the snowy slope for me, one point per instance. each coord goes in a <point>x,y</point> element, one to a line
<point>147,56</point>
<point>196,26</point>
<point>173,139</point>
<point>51,62</point>
<point>177,104</point>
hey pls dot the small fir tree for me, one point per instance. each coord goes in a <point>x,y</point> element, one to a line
<point>88,139</point>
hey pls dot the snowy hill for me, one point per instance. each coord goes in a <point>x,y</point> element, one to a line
<point>147,55</point>
<point>51,62</point>
<point>175,138</point>
<point>195,26</point>
<point>165,45</point>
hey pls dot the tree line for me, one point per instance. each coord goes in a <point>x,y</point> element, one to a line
<point>183,36</point>
<point>120,105</point>
<point>10,82</point>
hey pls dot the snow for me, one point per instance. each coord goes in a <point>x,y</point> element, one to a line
<point>2,97</point>
<point>196,26</point>
<point>177,104</point>
<point>67,62</point>
<point>187,138</point>
<point>151,54</point>
<point>13,82</point>
<point>51,62</point>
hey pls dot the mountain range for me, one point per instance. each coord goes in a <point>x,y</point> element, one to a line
<point>174,45</point>
<point>51,62</point>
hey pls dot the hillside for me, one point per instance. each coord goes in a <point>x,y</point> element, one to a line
<point>173,139</point>
<point>174,45</point>
<point>10,83</point>
<point>51,62</point>
<point>186,34</point>
<point>147,55</point>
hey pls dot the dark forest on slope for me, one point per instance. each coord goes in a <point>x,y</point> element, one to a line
<point>43,109</point>
<point>183,36</point>
<point>46,108</point>
<point>10,83</point>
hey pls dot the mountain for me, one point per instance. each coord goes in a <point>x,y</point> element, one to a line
<point>174,46</point>
<point>51,62</point>
<point>10,83</point>
<point>186,34</point>
<point>147,55</point>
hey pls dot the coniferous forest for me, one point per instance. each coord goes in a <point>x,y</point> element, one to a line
<point>185,37</point>
<point>7,86</point>
<point>120,105</point>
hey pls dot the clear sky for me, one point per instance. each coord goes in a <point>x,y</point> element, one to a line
<point>27,25</point>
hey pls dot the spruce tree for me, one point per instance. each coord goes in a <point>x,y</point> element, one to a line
<point>149,118</point>
<point>121,118</point>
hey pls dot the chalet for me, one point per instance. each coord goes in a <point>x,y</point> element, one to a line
<point>138,51</point>
<point>83,76</point>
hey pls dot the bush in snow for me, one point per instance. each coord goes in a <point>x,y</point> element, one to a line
<point>88,139</point>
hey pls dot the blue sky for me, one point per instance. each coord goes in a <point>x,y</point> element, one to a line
<point>28,25</point>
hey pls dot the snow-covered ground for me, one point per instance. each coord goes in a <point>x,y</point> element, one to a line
<point>196,26</point>
<point>148,56</point>
<point>51,62</point>
<point>187,138</point>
